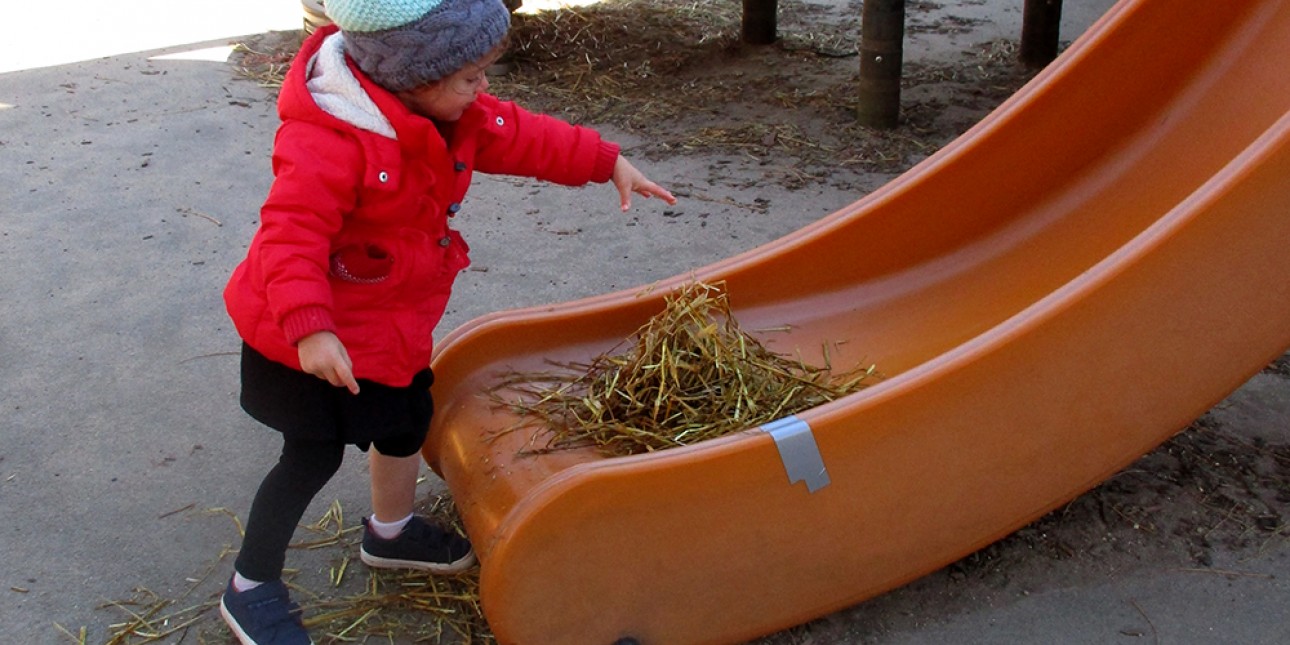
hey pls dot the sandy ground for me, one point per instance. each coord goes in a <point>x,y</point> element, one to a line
<point>132,189</point>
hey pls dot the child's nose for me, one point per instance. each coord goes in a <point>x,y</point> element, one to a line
<point>483,82</point>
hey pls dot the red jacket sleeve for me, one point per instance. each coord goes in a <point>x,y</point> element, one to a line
<point>315,183</point>
<point>515,141</point>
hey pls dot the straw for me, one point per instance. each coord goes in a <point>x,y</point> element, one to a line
<point>389,604</point>
<point>690,374</point>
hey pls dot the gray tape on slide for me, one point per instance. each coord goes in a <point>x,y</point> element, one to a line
<point>797,449</point>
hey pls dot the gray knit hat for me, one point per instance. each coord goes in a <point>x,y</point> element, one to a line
<point>403,44</point>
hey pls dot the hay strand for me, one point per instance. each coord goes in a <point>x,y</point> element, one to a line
<point>691,374</point>
<point>386,605</point>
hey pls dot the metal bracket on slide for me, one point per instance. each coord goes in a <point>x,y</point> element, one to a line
<point>797,449</point>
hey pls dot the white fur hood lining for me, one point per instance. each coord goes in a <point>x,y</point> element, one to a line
<point>336,90</point>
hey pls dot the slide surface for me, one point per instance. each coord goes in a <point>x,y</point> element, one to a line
<point>1067,285</point>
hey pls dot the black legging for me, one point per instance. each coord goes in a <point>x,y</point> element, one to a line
<point>304,468</point>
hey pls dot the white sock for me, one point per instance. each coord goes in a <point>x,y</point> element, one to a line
<point>388,530</point>
<point>241,583</point>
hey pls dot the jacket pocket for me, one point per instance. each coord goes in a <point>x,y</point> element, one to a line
<point>368,269</point>
<point>367,263</point>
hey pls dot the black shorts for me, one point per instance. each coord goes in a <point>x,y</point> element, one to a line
<point>303,406</point>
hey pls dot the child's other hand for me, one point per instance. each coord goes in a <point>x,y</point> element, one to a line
<point>629,180</point>
<point>323,355</point>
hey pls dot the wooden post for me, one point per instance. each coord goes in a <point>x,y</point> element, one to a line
<point>1041,22</point>
<point>759,21</point>
<point>882,35</point>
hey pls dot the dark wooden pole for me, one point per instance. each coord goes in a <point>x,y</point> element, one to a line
<point>1041,22</point>
<point>759,20</point>
<point>882,35</point>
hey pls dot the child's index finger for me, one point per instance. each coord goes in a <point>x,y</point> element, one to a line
<point>653,189</point>
<point>347,378</point>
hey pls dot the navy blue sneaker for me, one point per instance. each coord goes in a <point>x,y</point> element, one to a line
<point>421,546</point>
<point>264,615</point>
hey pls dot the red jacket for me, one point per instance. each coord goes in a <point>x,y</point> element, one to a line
<point>354,234</point>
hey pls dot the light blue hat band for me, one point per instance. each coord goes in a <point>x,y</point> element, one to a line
<point>452,35</point>
<point>369,15</point>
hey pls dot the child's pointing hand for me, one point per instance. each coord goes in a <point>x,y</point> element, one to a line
<point>323,355</point>
<point>629,180</point>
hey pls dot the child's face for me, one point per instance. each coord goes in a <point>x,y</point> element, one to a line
<point>447,99</point>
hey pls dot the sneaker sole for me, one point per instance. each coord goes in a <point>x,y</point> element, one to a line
<point>242,637</point>
<point>378,562</point>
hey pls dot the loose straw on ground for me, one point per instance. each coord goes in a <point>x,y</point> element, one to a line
<point>420,606</point>
<point>691,374</point>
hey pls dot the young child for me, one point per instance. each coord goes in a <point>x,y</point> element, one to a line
<point>385,116</point>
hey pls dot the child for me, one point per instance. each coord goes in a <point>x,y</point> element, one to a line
<point>384,117</point>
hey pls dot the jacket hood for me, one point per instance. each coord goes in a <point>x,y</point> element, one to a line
<point>321,81</point>
<point>337,91</point>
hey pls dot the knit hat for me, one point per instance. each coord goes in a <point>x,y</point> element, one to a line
<point>403,44</point>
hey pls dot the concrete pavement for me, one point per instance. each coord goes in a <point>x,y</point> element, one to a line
<point>131,189</point>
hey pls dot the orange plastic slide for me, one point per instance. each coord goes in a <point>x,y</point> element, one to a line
<point>1064,287</point>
